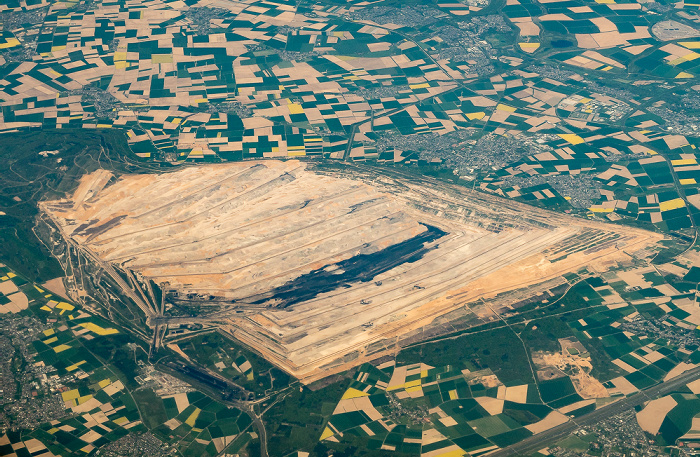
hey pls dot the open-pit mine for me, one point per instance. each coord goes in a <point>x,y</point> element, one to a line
<point>321,271</point>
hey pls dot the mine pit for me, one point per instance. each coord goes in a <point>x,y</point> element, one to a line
<point>321,271</point>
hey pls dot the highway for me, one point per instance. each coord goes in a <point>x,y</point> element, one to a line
<point>552,436</point>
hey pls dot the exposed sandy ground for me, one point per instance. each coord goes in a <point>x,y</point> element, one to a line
<point>181,401</point>
<point>654,356</point>
<point>56,286</point>
<point>517,394</point>
<point>222,442</point>
<point>173,423</point>
<point>33,445</point>
<point>694,386</point>
<point>552,420</point>
<point>18,302</point>
<point>450,450</point>
<point>577,366</point>
<point>238,230</point>
<point>694,432</point>
<point>635,278</point>
<point>654,413</point>
<point>176,348</point>
<point>574,406</point>
<point>358,404</point>
<point>489,381</point>
<point>8,287</point>
<point>673,269</point>
<point>679,370</point>
<point>572,346</point>
<point>688,305</point>
<point>624,365</point>
<point>492,405</point>
<point>527,27</point>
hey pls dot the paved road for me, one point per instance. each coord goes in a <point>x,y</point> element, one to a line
<point>550,437</point>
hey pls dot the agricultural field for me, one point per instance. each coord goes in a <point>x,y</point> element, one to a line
<point>673,419</point>
<point>419,408</point>
<point>92,375</point>
<point>281,80</point>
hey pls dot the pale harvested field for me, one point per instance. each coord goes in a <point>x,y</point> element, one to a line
<point>624,365</point>
<point>430,436</point>
<point>240,231</point>
<point>654,413</point>
<point>357,404</point>
<point>8,287</point>
<point>690,307</point>
<point>33,445</point>
<point>574,406</point>
<point>181,402</point>
<point>56,286</point>
<point>694,386</point>
<point>578,368</point>
<point>552,420</point>
<point>679,370</point>
<point>517,394</point>
<point>492,405</point>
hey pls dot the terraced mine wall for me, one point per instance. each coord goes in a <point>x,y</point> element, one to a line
<point>319,272</point>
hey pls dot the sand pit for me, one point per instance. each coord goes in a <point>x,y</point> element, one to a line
<point>574,362</point>
<point>320,272</point>
<point>694,386</point>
